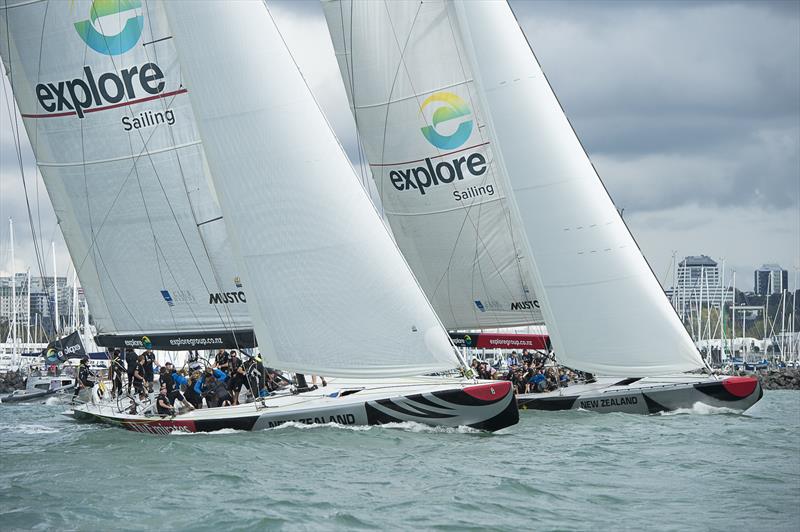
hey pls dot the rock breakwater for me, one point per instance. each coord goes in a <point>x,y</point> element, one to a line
<point>10,381</point>
<point>779,379</point>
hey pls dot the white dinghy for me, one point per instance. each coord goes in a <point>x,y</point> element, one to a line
<point>497,207</point>
<point>328,291</point>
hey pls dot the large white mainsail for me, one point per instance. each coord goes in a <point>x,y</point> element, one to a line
<point>99,89</point>
<point>423,131</point>
<point>329,290</point>
<point>604,309</point>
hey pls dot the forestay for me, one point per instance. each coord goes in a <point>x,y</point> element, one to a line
<point>423,130</point>
<point>99,89</point>
<point>604,308</point>
<point>329,290</point>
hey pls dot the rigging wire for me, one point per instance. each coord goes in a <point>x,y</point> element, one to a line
<point>12,115</point>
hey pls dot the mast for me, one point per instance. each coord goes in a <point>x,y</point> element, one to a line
<point>674,277</point>
<point>28,306</point>
<point>13,295</point>
<point>55,291</point>
<point>733,316</point>
<point>86,330</point>
<point>700,304</point>
<point>783,323</point>
<point>75,319</point>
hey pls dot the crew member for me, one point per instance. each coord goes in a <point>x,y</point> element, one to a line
<point>222,361</point>
<point>237,378</point>
<point>193,391</point>
<point>173,381</point>
<point>149,363</point>
<point>84,376</point>
<point>163,406</point>
<point>138,377</point>
<point>130,364</point>
<point>116,371</point>
<point>254,378</point>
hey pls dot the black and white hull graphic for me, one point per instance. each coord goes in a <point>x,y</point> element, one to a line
<point>643,397</point>
<point>484,406</point>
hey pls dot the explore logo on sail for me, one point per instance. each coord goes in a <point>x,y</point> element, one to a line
<point>119,87</point>
<point>451,108</point>
<point>451,125</point>
<point>115,43</point>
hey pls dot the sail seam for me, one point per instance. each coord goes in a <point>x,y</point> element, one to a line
<point>413,96</point>
<point>121,158</point>
<point>426,213</point>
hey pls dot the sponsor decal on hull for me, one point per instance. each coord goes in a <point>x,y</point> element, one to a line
<point>485,406</point>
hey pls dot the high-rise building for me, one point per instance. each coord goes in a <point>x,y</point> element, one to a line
<point>698,281</point>
<point>42,299</point>
<point>770,279</point>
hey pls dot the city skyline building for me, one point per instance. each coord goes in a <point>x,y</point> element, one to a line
<point>698,281</point>
<point>41,301</point>
<point>770,279</point>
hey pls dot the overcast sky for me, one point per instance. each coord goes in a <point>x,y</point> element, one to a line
<point>689,110</point>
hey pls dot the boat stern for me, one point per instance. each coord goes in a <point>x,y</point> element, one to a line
<point>488,406</point>
<point>737,393</point>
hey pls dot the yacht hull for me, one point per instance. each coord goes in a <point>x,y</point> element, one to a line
<point>486,406</point>
<point>24,396</point>
<point>649,396</point>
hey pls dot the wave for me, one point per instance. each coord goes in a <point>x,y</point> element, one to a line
<point>703,409</point>
<point>26,428</point>
<point>220,432</point>
<point>406,426</point>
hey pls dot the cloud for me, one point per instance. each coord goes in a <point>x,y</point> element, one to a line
<point>679,100</point>
<point>689,110</point>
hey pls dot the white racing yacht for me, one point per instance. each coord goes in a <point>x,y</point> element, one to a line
<point>498,209</point>
<point>206,202</point>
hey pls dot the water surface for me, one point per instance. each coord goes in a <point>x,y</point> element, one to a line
<point>702,470</point>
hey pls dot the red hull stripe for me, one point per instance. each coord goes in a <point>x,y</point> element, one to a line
<point>489,392</point>
<point>740,386</point>
<point>114,106</point>
<point>163,426</point>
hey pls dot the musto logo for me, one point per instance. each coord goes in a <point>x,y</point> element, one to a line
<point>451,108</point>
<point>451,127</point>
<point>113,43</point>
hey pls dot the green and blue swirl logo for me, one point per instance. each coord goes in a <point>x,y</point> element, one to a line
<point>451,107</point>
<point>112,44</point>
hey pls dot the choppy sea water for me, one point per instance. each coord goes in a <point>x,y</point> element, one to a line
<point>701,470</point>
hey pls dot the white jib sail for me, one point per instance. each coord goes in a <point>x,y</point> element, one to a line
<point>98,86</point>
<point>604,308</point>
<point>422,126</point>
<point>329,290</point>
